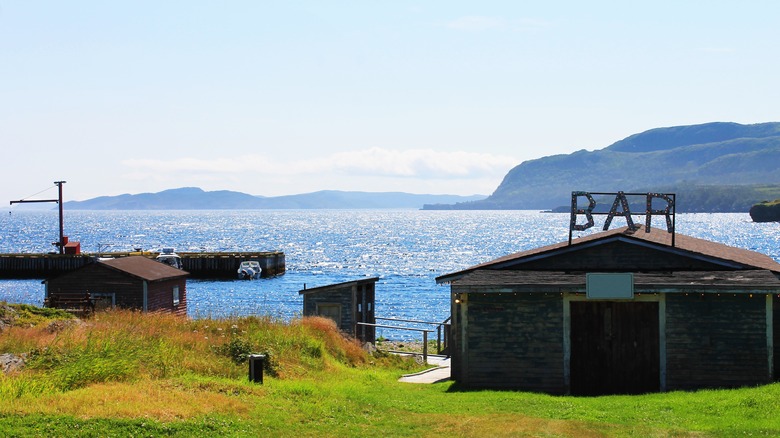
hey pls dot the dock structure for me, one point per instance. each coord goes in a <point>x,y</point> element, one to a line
<point>199,264</point>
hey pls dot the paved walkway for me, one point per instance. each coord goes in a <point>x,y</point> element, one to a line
<point>440,371</point>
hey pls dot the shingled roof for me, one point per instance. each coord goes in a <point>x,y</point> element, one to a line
<point>659,238</point>
<point>144,268</point>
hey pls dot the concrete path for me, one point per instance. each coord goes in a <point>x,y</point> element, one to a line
<point>440,372</point>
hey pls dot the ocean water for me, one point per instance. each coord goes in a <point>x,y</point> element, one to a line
<point>406,249</point>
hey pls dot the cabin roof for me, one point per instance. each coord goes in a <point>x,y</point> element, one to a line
<point>144,268</point>
<point>338,285</point>
<point>656,237</point>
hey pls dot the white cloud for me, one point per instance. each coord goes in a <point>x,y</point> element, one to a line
<point>414,163</point>
<point>420,163</point>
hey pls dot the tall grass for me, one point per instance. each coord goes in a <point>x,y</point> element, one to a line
<point>123,373</point>
<point>128,346</point>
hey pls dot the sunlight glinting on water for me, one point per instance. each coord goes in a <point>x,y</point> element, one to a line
<point>406,249</point>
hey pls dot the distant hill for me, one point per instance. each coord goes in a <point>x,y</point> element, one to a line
<point>709,156</point>
<point>193,198</point>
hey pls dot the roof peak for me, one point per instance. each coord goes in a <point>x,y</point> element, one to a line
<point>680,243</point>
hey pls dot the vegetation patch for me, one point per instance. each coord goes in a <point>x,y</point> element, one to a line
<point>25,315</point>
<point>124,373</point>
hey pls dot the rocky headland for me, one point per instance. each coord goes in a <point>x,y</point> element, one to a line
<point>766,211</point>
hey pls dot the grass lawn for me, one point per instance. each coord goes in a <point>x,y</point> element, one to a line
<point>127,374</point>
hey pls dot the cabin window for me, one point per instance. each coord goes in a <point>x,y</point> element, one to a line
<point>104,300</point>
<point>332,311</point>
<point>176,295</point>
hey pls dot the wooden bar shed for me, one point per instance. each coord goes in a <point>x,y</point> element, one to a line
<point>134,282</point>
<point>347,304</point>
<point>625,311</point>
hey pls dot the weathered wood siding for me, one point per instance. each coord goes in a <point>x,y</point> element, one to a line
<point>514,341</point>
<point>160,297</point>
<point>617,256</point>
<point>343,296</point>
<point>127,290</point>
<point>715,341</point>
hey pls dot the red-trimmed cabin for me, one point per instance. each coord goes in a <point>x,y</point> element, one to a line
<point>133,282</point>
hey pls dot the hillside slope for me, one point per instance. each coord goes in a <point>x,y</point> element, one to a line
<point>726,154</point>
<point>193,198</point>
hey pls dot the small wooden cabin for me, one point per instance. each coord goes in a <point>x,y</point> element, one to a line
<point>134,282</point>
<point>347,304</point>
<point>618,312</point>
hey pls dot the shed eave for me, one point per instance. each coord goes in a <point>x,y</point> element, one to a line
<point>338,285</point>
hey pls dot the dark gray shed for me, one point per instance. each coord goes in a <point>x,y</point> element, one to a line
<point>134,282</point>
<point>621,311</point>
<point>347,303</point>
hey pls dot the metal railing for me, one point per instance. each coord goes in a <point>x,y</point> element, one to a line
<point>424,332</point>
<point>442,331</point>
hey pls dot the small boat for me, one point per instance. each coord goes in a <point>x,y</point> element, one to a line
<point>249,270</point>
<point>170,258</point>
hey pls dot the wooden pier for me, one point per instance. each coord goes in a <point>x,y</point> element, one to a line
<point>218,265</point>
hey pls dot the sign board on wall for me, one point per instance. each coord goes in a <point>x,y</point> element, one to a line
<point>611,286</point>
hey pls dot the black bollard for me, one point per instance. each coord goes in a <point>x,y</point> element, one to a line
<point>256,363</point>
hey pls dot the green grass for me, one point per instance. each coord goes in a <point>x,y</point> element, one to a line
<point>27,315</point>
<point>127,374</point>
<point>774,203</point>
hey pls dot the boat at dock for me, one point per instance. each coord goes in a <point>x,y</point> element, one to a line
<point>249,270</point>
<point>170,258</point>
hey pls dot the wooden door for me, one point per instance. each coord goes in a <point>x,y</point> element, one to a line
<point>364,312</point>
<point>614,348</point>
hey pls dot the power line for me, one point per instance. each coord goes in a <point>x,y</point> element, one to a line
<point>36,194</point>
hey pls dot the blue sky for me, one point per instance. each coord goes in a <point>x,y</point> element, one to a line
<point>274,98</point>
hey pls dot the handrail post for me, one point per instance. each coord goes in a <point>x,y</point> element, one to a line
<point>438,338</point>
<point>447,330</point>
<point>425,347</point>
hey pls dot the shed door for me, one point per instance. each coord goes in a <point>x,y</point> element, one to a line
<point>614,348</point>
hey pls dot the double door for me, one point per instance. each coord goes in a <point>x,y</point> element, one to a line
<point>614,347</point>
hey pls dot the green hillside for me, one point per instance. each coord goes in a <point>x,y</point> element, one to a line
<point>741,162</point>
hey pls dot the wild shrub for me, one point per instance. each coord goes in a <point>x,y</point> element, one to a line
<point>237,349</point>
<point>28,315</point>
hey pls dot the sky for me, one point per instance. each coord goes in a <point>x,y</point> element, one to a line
<point>288,97</point>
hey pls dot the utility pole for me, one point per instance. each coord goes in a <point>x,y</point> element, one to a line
<point>61,242</point>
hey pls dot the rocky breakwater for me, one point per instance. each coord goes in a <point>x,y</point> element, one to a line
<point>766,211</point>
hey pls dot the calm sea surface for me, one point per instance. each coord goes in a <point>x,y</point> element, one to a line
<point>406,249</point>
